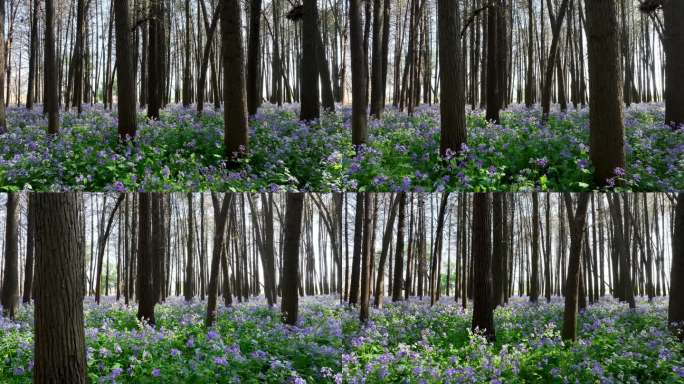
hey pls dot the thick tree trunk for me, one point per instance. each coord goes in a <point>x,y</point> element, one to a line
<point>605,82</point>
<point>293,229</point>
<point>452,98</point>
<point>534,283</point>
<point>254,57</point>
<point>676,309</point>
<point>483,308</point>
<point>60,354</point>
<point>359,62</point>
<point>146,260</point>
<point>310,104</point>
<point>399,256</point>
<point>674,41</point>
<point>125,72</point>
<point>234,91</point>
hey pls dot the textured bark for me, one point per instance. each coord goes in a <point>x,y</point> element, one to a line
<point>125,72</point>
<point>293,229</point>
<point>10,282</point>
<point>3,59</point>
<point>377,88</point>
<point>483,310</point>
<point>33,53</point>
<point>452,99</point>
<point>187,71</point>
<point>254,57</point>
<point>493,97</point>
<point>607,146</point>
<point>60,355</point>
<point>51,88</point>
<point>154,60</point>
<point>234,91</point>
<point>674,41</point>
<point>310,103</point>
<point>359,63</point>
<point>577,222</point>
<point>146,257</point>
<point>676,308</point>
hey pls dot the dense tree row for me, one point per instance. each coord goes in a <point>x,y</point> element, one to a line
<point>486,53</point>
<point>481,248</point>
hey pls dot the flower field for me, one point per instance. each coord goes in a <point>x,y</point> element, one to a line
<point>403,343</point>
<point>182,152</point>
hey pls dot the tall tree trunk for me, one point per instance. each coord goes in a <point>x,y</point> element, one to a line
<point>377,88</point>
<point>220,214</point>
<point>254,57</point>
<point>125,72</point>
<point>452,99</point>
<point>577,222</point>
<point>293,229</point>
<point>483,308</point>
<point>534,283</point>
<point>234,91</point>
<point>676,308</point>
<point>33,53</point>
<point>367,246</point>
<point>674,41</point>
<point>359,62</point>
<point>605,82</point>
<point>10,282</point>
<point>146,260</point>
<point>310,104</point>
<point>60,353</point>
<point>30,247</point>
<point>556,24</point>
<point>51,89</point>
<point>189,287</point>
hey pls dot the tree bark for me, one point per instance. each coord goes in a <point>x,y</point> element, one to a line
<point>293,229</point>
<point>483,310</point>
<point>10,282</point>
<point>60,354</point>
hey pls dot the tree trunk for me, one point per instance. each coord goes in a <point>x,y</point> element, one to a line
<point>452,98</point>
<point>605,82</point>
<point>125,72</point>
<point>60,354</point>
<point>676,308</point>
<point>254,57</point>
<point>359,63</point>
<point>674,41</point>
<point>577,225</point>
<point>30,248</point>
<point>51,89</point>
<point>220,214</point>
<point>234,91</point>
<point>146,260</point>
<point>189,287</point>
<point>483,309</point>
<point>10,282</point>
<point>366,255</point>
<point>293,228</point>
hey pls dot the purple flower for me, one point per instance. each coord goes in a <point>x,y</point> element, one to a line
<point>212,335</point>
<point>220,361</point>
<point>156,372</point>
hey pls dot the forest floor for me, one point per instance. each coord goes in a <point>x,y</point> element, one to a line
<point>182,152</point>
<point>405,341</point>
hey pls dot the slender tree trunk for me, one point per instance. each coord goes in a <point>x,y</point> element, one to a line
<point>51,89</point>
<point>359,63</point>
<point>577,222</point>
<point>10,282</point>
<point>254,57</point>
<point>125,72</point>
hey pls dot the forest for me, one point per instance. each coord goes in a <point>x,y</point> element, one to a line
<point>342,288</point>
<point>341,95</point>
